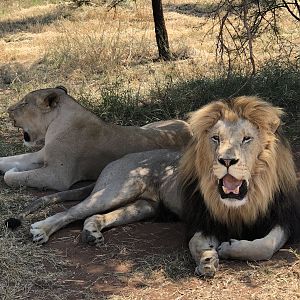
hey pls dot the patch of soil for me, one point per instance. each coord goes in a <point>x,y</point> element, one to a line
<point>112,268</point>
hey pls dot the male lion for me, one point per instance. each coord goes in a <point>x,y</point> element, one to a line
<point>77,144</point>
<point>234,185</point>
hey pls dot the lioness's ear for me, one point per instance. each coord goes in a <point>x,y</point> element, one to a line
<point>49,102</point>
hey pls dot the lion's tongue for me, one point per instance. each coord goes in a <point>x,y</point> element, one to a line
<point>231,184</point>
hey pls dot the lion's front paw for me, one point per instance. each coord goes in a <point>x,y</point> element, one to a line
<point>246,250</point>
<point>231,249</point>
<point>208,265</point>
<point>91,233</point>
<point>39,234</point>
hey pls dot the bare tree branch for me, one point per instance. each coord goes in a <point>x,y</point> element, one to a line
<point>241,22</point>
<point>296,5</point>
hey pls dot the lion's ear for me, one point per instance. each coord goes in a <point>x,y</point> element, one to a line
<point>275,119</point>
<point>49,102</point>
<point>274,124</point>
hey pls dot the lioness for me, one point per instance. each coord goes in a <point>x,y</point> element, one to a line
<point>235,186</point>
<point>77,144</point>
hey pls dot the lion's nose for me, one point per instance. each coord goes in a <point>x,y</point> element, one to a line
<point>228,162</point>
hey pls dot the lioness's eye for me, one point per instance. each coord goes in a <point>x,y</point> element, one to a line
<point>215,138</point>
<point>247,139</point>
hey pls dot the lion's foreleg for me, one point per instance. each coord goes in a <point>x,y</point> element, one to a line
<point>134,212</point>
<point>259,249</point>
<point>203,250</point>
<point>22,162</point>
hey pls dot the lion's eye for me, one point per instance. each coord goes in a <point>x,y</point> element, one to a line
<point>216,139</point>
<point>247,139</point>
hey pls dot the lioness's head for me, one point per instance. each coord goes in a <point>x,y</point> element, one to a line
<point>234,155</point>
<point>34,113</point>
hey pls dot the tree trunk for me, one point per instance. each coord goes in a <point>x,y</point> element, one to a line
<point>161,31</point>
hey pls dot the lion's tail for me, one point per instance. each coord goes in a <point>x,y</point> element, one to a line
<point>71,195</point>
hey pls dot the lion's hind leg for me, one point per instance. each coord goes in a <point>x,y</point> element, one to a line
<point>134,212</point>
<point>115,188</point>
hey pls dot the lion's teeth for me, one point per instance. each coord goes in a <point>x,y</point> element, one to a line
<point>237,190</point>
<point>227,191</point>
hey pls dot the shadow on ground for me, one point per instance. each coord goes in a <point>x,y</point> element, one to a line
<point>193,9</point>
<point>28,24</point>
<point>138,256</point>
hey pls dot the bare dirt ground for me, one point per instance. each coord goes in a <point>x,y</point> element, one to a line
<point>111,270</point>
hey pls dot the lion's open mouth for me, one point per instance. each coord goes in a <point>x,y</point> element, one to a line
<point>26,136</point>
<point>230,187</point>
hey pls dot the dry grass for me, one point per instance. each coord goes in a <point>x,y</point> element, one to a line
<point>27,271</point>
<point>92,46</point>
<point>256,281</point>
<point>110,57</point>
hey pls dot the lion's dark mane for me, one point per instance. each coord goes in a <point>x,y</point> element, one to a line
<point>283,211</point>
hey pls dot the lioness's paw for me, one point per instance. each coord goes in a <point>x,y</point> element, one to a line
<point>209,264</point>
<point>39,235</point>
